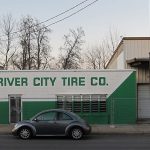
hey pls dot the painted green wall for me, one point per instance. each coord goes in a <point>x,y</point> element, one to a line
<point>31,108</point>
<point>122,104</point>
<point>121,107</point>
<point>4,112</point>
<point>95,118</point>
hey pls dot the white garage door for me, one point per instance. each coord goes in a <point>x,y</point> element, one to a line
<point>143,101</point>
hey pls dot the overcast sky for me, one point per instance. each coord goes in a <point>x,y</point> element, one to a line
<point>128,17</point>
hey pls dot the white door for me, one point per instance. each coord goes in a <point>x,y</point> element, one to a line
<point>144,101</point>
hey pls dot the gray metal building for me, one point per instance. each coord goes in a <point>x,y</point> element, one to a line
<point>134,53</point>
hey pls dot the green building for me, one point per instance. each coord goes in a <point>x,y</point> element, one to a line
<point>98,96</point>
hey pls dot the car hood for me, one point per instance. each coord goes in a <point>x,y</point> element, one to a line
<point>24,122</point>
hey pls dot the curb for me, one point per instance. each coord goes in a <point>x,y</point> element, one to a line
<point>121,129</point>
<point>100,129</point>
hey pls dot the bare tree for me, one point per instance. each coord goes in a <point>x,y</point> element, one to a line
<point>7,25</point>
<point>70,55</point>
<point>26,37</point>
<point>42,56</point>
<point>90,58</point>
<point>111,41</point>
<point>96,58</point>
<point>34,43</point>
<point>23,59</point>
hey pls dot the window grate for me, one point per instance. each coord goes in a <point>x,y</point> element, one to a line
<point>77,106</point>
<point>102,106</point>
<point>82,103</point>
<point>94,106</point>
<point>85,103</point>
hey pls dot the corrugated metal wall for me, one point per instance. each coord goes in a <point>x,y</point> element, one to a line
<point>142,74</point>
<point>136,48</point>
<point>143,101</point>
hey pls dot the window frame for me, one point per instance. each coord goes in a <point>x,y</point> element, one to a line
<point>40,120</point>
<point>57,116</point>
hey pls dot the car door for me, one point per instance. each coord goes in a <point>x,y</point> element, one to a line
<point>45,123</point>
<point>62,121</point>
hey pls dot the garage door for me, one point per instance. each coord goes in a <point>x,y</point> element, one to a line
<point>143,101</point>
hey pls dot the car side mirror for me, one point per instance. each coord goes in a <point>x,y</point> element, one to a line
<point>35,119</point>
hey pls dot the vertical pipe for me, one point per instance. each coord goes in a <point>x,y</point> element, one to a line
<point>149,67</point>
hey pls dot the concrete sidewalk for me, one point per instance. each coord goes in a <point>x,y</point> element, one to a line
<point>121,129</point>
<point>101,129</point>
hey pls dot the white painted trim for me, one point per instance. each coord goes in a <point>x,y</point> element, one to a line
<point>4,100</point>
<point>38,99</point>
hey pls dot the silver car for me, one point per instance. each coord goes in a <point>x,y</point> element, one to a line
<point>52,122</point>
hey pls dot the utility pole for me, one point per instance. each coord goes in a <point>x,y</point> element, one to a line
<point>149,67</point>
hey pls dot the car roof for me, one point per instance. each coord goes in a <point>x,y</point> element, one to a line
<point>53,110</point>
<point>57,110</point>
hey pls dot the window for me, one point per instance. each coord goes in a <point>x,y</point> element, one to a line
<point>48,116</point>
<point>60,100</point>
<point>82,103</point>
<point>95,103</point>
<point>77,107</point>
<point>64,102</point>
<point>86,103</point>
<point>62,116</point>
<point>103,103</point>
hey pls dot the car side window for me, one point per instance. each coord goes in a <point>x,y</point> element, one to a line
<point>48,116</point>
<point>63,116</point>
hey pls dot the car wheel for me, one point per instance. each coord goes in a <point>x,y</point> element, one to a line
<point>25,133</point>
<point>76,133</point>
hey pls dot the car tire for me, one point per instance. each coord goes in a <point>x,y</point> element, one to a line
<point>25,133</point>
<point>76,133</point>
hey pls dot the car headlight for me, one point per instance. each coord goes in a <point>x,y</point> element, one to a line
<point>16,125</point>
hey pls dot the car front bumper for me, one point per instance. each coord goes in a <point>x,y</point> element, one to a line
<point>14,132</point>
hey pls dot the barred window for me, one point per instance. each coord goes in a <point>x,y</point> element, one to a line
<point>94,103</point>
<point>77,103</point>
<point>86,103</point>
<point>102,103</point>
<point>60,100</point>
<point>64,102</point>
<point>82,103</point>
<point>68,102</point>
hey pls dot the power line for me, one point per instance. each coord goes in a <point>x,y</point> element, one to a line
<point>72,14</point>
<point>51,17</point>
<point>62,18</point>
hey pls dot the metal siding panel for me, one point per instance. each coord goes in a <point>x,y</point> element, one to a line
<point>114,62</point>
<point>121,61</point>
<point>137,48</point>
<point>142,75</point>
<point>113,65</point>
<point>144,101</point>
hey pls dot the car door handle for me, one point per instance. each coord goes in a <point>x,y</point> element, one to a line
<point>54,122</point>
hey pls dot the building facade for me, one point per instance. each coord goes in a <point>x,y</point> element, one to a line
<point>134,53</point>
<point>98,96</point>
